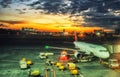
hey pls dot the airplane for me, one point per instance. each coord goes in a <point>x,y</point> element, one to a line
<point>87,48</point>
<point>96,50</point>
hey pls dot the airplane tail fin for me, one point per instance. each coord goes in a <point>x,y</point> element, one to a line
<point>75,36</point>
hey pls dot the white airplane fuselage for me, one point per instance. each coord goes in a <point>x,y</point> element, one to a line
<point>96,50</point>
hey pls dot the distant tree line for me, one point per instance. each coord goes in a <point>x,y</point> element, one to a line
<point>8,31</point>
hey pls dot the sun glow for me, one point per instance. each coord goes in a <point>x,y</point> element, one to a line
<point>46,22</point>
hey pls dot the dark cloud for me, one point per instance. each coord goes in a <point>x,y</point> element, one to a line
<point>74,6</point>
<point>5,3</point>
<point>60,6</point>
<point>108,22</point>
<point>102,20</point>
<point>24,0</point>
<point>12,22</point>
<point>47,5</point>
<point>3,25</point>
<point>21,11</point>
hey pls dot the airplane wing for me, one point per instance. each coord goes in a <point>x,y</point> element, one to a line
<point>75,51</point>
<point>60,48</point>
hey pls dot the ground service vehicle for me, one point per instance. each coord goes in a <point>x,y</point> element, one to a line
<point>113,63</point>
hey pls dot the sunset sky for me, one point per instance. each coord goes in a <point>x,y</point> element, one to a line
<point>56,15</point>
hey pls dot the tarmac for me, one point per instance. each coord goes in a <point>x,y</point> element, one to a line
<point>11,55</point>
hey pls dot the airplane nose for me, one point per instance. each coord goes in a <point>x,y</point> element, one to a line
<point>106,55</point>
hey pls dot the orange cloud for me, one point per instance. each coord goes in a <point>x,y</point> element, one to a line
<point>45,22</point>
<point>12,22</point>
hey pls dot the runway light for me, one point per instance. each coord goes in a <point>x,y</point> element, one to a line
<point>46,47</point>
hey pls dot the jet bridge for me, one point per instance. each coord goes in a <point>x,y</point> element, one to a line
<point>113,48</point>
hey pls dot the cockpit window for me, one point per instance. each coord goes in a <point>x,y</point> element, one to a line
<point>103,50</point>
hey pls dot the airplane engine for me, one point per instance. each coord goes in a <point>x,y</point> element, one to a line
<point>77,54</point>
